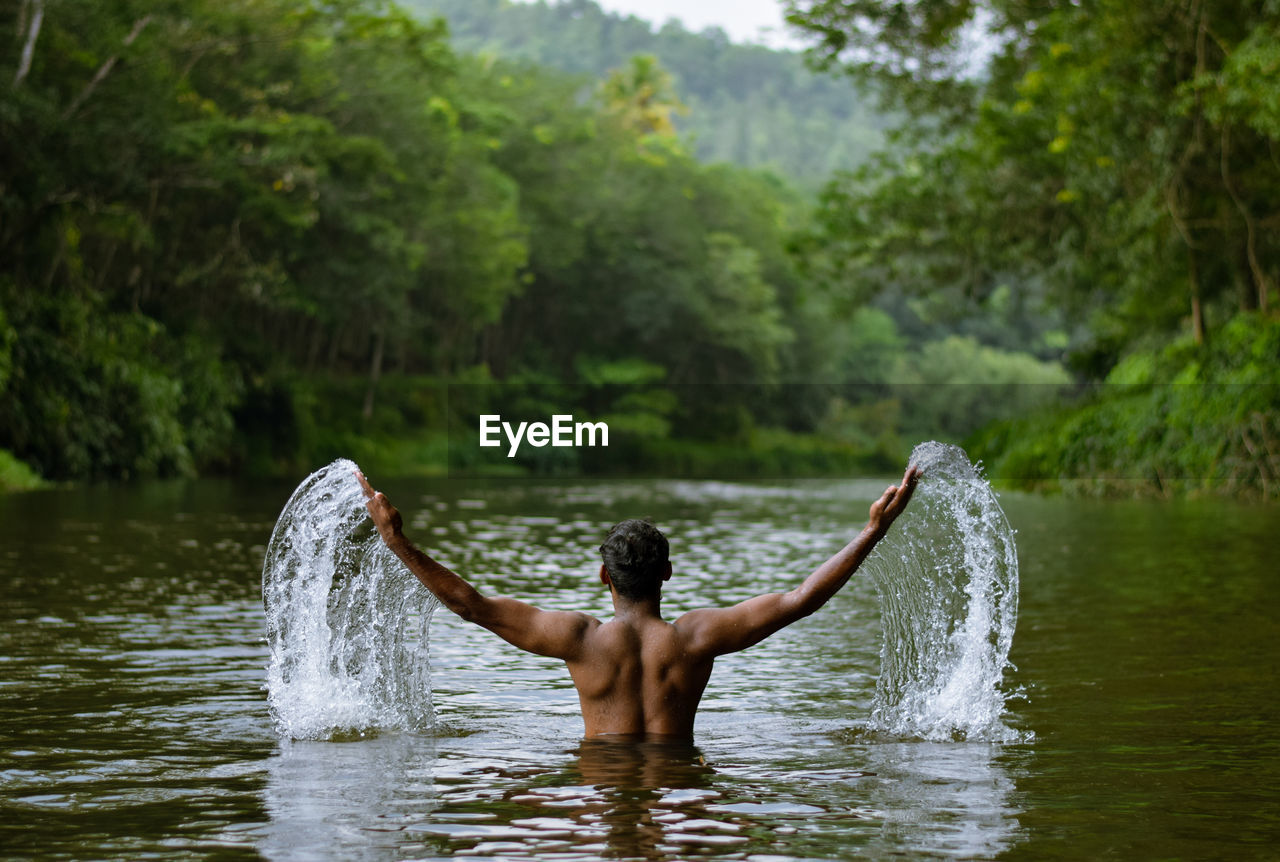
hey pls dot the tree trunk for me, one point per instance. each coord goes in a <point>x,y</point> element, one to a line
<point>1256,269</point>
<point>375,371</point>
<point>335,344</point>
<point>104,267</point>
<point>313,352</point>
<point>1197,308</point>
<point>58,258</point>
<point>29,47</point>
<point>1246,297</point>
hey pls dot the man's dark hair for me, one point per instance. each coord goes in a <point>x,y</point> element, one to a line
<point>635,553</point>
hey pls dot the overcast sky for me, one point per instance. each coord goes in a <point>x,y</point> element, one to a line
<point>743,20</point>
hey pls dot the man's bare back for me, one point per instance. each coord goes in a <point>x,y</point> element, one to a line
<point>638,674</point>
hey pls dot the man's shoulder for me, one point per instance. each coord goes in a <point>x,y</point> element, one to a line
<point>691,620</point>
<point>583,625</point>
<point>695,627</point>
<point>576,619</point>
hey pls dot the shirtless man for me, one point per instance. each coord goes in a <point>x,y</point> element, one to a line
<point>639,675</point>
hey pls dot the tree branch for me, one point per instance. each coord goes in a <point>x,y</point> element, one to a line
<point>105,69</point>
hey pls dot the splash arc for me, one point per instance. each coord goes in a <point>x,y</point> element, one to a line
<point>347,623</point>
<point>947,581</point>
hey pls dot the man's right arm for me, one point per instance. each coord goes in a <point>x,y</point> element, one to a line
<point>552,633</point>
<point>717,631</point>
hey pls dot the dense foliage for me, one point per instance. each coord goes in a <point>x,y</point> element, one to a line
<point>254,236</point>
<point>245,236</point>
<point>1118,159</point>
<point>199,197</point>
<point>1184,419</point>
<point>748,105</point>
<point>1114,162</point>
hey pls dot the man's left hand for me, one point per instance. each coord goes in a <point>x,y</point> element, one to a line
<point>385,517</point>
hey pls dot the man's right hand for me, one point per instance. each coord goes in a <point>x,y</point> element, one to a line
<point>892,502</point>
<point>385,517</point>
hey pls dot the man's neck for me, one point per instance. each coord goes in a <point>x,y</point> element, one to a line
<point>635,609</point>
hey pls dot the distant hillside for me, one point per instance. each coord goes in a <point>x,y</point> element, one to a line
<point>750,105</point>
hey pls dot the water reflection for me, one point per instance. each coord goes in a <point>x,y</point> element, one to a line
<point>951,799</point>
<point>347,800</point>
<point>806,794</point>
<point>638,799</point>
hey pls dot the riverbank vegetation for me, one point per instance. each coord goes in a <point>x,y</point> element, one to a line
<point>1113,161</point>
<point>249,237</point>
<point>1187,419</point>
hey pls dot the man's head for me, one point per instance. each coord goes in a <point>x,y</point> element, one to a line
<point>636,556</point>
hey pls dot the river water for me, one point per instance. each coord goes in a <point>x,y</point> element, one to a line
<point>135,720</point>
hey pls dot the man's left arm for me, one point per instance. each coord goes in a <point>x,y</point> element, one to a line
<point>717,631</point>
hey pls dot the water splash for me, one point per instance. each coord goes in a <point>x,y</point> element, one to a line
<point>347,623</point>
<point>947,578</point>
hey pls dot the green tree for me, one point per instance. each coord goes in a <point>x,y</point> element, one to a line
<point>748,104</point>
<point>253,186</point>
<point>1114,157</point>
<point>642,96</point>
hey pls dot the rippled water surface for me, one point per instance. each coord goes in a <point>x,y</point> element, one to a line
<point>135,722</point>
